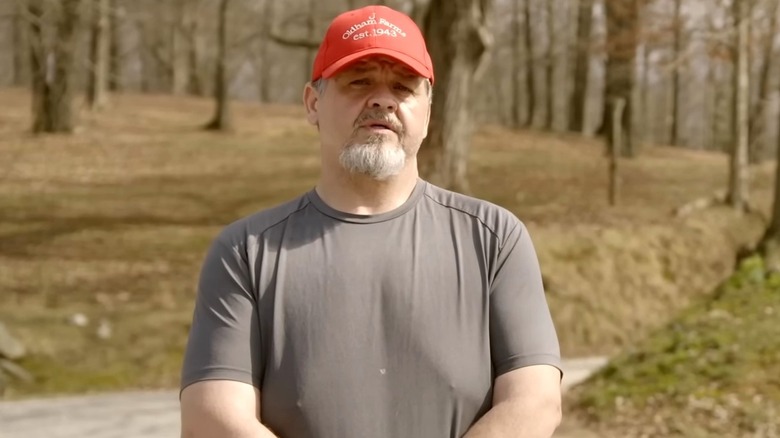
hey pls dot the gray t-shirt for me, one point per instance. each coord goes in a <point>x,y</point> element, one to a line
<point>391,325</point>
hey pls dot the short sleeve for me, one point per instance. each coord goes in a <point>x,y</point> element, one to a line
<point>521,327</point>
<point>224,340</point>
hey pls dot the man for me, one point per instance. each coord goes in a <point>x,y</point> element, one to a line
<point>376,305</point>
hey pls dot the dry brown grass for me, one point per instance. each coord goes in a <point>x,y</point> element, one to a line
<point>113,222</point>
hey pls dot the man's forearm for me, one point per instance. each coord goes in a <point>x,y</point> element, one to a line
<point>262,432</point>
<point>511,419</point>
<point>250,429</point>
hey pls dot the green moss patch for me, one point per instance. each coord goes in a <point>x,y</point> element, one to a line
<point>713,371</point>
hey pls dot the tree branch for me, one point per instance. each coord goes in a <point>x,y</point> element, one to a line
<point>275,36</point>
<point>293,42</point>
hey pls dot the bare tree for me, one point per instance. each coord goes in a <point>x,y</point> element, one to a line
<point>643,95</point>
<point>720,59</point>
<point>97,88</point>
<point>458,37</point>
<point>578,101</point>
<point>179,53</point>
<point>552,47</point>
<point>311,34</point>
<point>622,23</point>
<point>116,14</point>
<point>770,244</point>
<point>52,66</point>
<point>738,184</point>
<point>194,55</point>
<point>21,68</point>
<point>531,73</point>
<point>677,27</point>
<point>260,55</point>
<point>520,68</point>
<point>757,129</point>
<point>222,120</point>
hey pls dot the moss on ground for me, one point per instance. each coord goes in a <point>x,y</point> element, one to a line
<point>712,372</point>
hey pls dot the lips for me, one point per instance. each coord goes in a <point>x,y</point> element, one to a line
<point>377,124</point>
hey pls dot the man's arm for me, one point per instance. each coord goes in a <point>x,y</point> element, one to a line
<point>221,408</point>
<point>526,404</point>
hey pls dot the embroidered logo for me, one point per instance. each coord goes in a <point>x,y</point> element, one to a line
<point>387,29</point>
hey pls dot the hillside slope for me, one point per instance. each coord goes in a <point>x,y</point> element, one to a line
<point>714,371</point>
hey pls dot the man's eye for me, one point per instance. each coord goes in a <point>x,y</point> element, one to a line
<point>402,87</point>
<point>360,82</point>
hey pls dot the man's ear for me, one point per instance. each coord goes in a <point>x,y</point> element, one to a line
<point>311,100</point>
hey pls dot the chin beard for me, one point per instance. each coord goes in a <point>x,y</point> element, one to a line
<point>373,158</point>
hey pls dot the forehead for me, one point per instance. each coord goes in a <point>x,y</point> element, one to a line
<point>377,63</point>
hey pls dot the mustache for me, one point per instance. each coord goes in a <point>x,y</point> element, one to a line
<point>379,116</point>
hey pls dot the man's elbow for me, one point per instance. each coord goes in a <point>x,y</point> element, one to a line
<point>547,412</point>
<point>188,431</point>
<point>554,411</point>
<point>200,430</point>
<point>550,411</point>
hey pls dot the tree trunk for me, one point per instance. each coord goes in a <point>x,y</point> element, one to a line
<point>260,54</point>
<point>99,56</point>
<point>311,34</point>
<point>517,112</point>
<point>222,120</point>
<point>21,69</point>
<point>459,39</point>
<point>770,244</point>
<point>649,121</point>
<point>147,71</point>
<point>265,55</point>
<point>579,98</point>
<point>777,147</point>
<point>616,108</point>
<point>53,68</point>
<point>179,52</point>
<point>194,56</point>
<point>552,47</point>
<point>419,11</point>
<point>774,223</point>
<point>711,103</point>
<point>115,16</point>
<point>674,127</point>
<point>622,22</point>
<point>757,130</point>
<point>38,66</point>
<point>738,184</point>
<point>530,72</point>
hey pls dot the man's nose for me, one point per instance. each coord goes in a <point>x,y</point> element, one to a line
<point>383,98</point>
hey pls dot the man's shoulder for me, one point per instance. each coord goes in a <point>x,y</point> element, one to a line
<point>261,221</point>
<point>497,219</point>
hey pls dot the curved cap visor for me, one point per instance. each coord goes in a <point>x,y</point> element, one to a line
<point>413,64</point>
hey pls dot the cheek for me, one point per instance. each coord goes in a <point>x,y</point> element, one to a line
<point>334,126</point>
<point>415,118</point>
<point>339,117</point>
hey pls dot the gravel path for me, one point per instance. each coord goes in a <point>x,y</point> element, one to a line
<point>150,414</point>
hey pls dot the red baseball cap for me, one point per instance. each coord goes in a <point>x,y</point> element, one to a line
<point>372,30</point>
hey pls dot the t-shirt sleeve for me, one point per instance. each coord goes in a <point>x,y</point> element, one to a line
<point>224,340</point>
<point>521,327</point>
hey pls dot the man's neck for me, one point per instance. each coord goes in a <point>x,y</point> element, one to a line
<point>359,194</point>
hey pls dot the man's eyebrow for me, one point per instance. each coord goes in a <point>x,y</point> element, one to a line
<point>407,74</point>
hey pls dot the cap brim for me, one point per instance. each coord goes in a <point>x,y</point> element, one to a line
<point>407,60</point>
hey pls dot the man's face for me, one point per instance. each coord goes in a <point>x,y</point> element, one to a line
<point>372,116</point>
